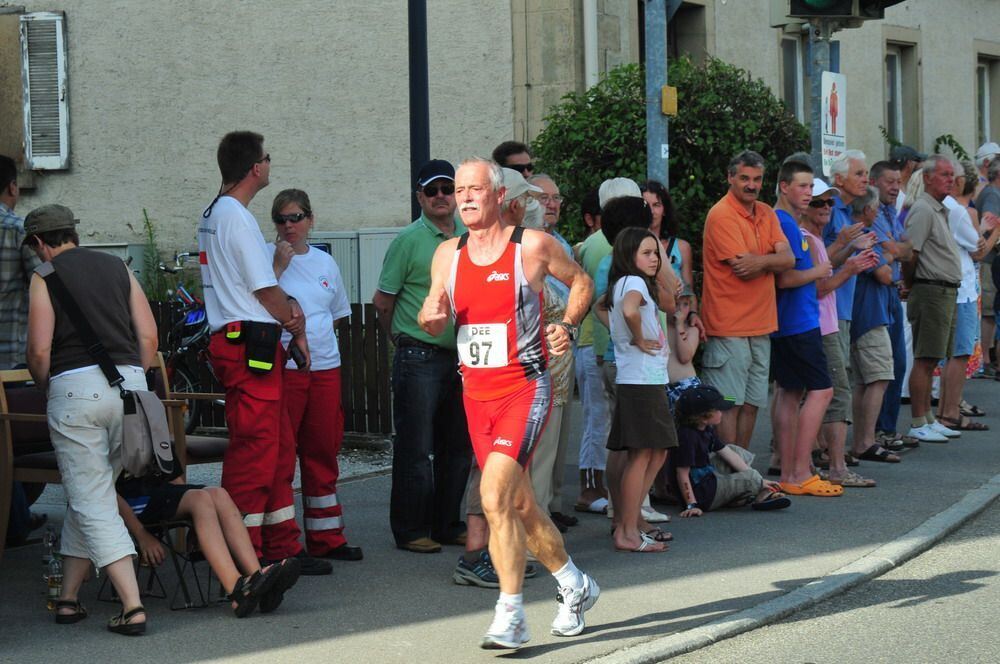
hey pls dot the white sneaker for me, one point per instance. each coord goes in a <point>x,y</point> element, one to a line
<point>943,430</point>
<point>572,603</point>
<point>508,631</point>
<point>652,516</point>
<point>926,434</point>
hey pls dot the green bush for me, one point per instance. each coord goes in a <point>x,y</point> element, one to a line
<point>601,133</point>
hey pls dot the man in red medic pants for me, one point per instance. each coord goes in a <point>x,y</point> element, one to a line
<point>490,281</point>
<point>245,305</point>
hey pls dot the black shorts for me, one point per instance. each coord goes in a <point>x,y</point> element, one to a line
<point>799,363</point>
<point>162,502</point>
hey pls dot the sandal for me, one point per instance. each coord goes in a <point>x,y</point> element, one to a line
<point>962,424</point>
<point>820,459</point>
<point>249,589</point>
<point>79,611</point>
<point>851,460</point>
<point>813,486</point>
<point>776,501</point>
<point>852,479</point>
<point>879,453</point>
<point>120,624</point>
<point>288,571</point>
<point>967,409</point>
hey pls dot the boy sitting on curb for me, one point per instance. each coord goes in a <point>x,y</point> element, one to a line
<point>708,474</point>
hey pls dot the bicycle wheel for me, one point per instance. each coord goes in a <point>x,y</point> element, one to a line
<point>184,381</point>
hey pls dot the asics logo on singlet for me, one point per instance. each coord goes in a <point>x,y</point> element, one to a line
<point>504,442</point>
<point>498,276</point>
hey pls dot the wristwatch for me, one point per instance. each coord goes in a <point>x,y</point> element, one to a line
<point>692,506</point>
<point>570,328</point>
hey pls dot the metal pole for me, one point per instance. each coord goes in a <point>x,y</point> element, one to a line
<point>657,145</point>
<point>819,46</point>
<point>420,131</point>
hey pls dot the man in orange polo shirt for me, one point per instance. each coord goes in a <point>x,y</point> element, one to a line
<point>743,247</point>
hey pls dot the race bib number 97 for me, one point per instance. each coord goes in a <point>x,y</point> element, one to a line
<point>483,346</point>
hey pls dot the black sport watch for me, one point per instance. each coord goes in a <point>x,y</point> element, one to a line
<point>570,328</point>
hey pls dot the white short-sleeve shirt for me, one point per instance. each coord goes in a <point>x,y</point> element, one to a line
<point>313,279</point>
<point>234,264</point>
<point>634,366</point>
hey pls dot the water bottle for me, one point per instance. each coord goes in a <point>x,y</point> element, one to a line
<point>49,539</point>
<point>54,579</point>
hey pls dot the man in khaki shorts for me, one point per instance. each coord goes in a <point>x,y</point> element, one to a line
<point>743,248</point>
<point>933,276</point>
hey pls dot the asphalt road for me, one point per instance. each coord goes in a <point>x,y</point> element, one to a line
<point>939,607</point>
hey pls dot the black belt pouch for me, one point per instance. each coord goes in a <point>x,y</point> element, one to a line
<point>261,341</point>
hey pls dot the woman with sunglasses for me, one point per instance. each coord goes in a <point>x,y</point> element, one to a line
<point>312,398</point>
<point>833,433</point>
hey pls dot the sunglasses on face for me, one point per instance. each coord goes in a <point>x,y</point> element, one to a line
<point>521,168</point>
<point>294,218</point>
<point>431,190</point>
<point>828,202</point>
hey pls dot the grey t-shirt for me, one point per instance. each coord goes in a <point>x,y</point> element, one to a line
<point>927,226</point>
<point>989,201</point>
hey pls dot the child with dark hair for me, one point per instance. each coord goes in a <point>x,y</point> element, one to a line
<point>708,474</point>
<point>641,425</point>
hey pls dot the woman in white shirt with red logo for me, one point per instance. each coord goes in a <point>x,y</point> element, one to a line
<point>312,398</point>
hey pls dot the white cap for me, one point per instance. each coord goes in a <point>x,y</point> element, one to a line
<point>516,185</point>
<point>820,188</point>
<point>987,150</point>
<point>617,188</point>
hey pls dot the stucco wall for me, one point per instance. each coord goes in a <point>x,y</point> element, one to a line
<point>153,86</point>
<point>946,73</point>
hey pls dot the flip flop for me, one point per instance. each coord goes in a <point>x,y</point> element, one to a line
<point>879,453</point>
<point>599,506</point>
<point>813,486</point>
<point>963,424</point>
<point>776,501</point>
<point>644,547</point>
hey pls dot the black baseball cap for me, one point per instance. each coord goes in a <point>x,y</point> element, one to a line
<point>434,170</point>
<point>904,153</point>
<point>701,399</point>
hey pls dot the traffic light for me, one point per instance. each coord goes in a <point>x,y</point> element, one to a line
<point>825,8</point>
<point>863,9</point>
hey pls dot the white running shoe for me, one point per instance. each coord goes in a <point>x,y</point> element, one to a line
<point>508,631</point>
<point>943,430</point>
<point>572,603</point>
<point>925,434</point>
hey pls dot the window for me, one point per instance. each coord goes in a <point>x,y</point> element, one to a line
<point>34,115</point>
<point>902,100</point>
<point>987,98</point>
<point>43,70</point>
<point>793,76</point>
<point>894,93</point>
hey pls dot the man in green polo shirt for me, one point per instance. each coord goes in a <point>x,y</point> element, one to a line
<point>431,448</point>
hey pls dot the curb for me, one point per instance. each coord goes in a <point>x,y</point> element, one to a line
<point>878,562</point>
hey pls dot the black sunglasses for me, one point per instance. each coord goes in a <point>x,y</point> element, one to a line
<point>828,202</point>
<point>431,190</point>
<point>266,157</point>
<point>521,168</point>
<point>294,218</point>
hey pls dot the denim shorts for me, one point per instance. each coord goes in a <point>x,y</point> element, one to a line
<point>966,329</point>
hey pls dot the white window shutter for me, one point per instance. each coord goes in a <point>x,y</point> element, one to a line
<point>43,73</point>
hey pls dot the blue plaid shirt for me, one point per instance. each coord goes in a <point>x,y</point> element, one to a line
<point>16,265</point>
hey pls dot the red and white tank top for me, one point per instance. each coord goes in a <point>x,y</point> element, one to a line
<point>498,319</point>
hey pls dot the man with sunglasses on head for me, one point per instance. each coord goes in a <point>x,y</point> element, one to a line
<point>246,310</point>
<point>431,448</point>
<point>514,155</point>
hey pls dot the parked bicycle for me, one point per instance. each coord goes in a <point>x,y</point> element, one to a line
<point>187,345</point>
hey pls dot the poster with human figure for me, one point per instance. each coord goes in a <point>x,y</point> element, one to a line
<point>834,117</point>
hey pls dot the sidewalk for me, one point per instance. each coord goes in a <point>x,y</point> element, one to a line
<point>402,607</point>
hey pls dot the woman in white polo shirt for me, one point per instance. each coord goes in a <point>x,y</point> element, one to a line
<point>312,398</point>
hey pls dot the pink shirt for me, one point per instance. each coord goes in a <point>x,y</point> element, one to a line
<point>827,303</point>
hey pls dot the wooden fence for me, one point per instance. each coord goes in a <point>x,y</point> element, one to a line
<point>365,353</point>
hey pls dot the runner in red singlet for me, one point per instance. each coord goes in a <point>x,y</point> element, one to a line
<point>490,281</point>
